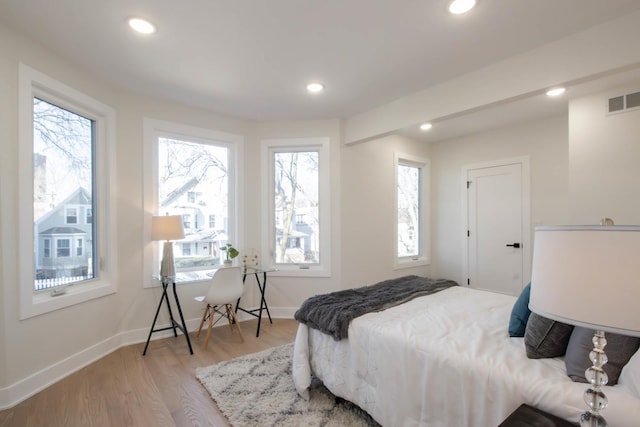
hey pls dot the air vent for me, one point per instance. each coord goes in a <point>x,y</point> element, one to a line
<point>616,104</point>
<point>630,101</point>
<point>633,100</point>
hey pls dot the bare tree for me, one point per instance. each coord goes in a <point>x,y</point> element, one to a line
<point>64,138</point>
<point>191,163</point>
<point>408,209</point>
<point>292,191</point>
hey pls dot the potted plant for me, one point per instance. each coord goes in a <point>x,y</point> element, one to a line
<point>231,253</point>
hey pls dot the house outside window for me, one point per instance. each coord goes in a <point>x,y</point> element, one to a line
<point>89,215</point>
<point>412,232</point>
<point>64,144</point>
<point>66,159</point>
<point>298,208</point>
<point>79,247</point>
<point>193,173</point>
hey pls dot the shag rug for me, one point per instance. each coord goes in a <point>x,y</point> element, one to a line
<point>257,390</point>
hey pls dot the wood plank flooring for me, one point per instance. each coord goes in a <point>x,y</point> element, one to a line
<point>160,389</point>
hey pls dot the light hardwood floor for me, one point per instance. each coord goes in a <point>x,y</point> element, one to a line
<point>160,389</point>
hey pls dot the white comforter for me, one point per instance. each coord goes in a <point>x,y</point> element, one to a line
<point>445,360</point>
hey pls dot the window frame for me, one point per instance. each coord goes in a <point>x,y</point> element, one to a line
<point>32,83</point>
<point>155,129</point>
<point>268,148</point>
<point>424,254</point>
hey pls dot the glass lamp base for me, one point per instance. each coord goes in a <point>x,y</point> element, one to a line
<point>589,419</point>
<point>594,397</point>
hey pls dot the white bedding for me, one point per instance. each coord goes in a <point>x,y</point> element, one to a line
<point>445,360</point>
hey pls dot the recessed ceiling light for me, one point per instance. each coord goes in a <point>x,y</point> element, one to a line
<point>556,91</point>
<point>458,7</point>
<point>426,126</point>
<point>142,25</point>
<point>315,87</point>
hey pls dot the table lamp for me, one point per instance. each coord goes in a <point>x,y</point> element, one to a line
<point>589,276</point>
<point>167,228</point>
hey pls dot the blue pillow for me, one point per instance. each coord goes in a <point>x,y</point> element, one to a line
<point>520,313</point>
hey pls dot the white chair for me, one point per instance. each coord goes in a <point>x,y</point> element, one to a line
<point>225,288</point>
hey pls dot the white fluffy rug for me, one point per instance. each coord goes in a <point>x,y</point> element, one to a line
<point>257,390</point>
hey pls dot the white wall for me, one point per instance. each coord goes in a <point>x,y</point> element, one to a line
<point>543,141</point>
<point>604,160</point>
<point>39,350</point>
<point>368,201</point>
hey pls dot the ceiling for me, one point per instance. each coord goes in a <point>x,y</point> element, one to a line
<point>252,58</point>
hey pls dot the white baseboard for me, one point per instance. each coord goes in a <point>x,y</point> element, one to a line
<point>38,381</point>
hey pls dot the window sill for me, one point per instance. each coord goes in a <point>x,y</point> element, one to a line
<point>46,302</point>
<point>296,271</point>
<point>183,277</point>
<point>411,263</point>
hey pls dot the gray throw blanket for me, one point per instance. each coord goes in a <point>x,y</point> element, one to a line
<point>331,313</point>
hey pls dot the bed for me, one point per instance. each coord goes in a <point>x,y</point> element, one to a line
<point>446,359</point>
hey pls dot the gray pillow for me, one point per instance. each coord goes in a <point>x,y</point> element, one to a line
<point>545,337</point>
<point>619,349</point>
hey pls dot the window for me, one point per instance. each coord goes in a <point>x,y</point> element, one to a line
<point>297,224</point>
<point>186,222</point>
<point>72,213</point>
<point>47,248</point>
<point>65,160</point>
<point>186,249</point>
<point>63,248</point>
<point>194,197</point>
<point>192,173</point>
<point>412,232</point>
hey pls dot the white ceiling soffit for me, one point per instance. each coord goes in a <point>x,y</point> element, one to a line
<point>595,55</point>
<point>252,59</point>
<point>524,109</point>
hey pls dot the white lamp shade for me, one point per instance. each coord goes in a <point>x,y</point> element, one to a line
<point>588,276</point>
<point>167,227</point>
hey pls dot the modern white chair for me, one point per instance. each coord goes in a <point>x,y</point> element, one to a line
<point>225,288</point>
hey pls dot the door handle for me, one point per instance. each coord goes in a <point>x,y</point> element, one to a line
<point>515,245</point>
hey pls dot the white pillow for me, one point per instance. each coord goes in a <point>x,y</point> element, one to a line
<point>630,375</point>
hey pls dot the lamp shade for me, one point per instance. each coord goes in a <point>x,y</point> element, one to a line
<point>167,227</point>
<point>588,276</point>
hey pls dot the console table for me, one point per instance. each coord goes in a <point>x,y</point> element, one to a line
<point>173,323</point>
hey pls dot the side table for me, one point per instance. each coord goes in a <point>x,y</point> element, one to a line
<point>173,323</point>
<point>528,416</point>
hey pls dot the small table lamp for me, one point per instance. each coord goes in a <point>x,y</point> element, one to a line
<point>167,228</point>
<point>589,276</point>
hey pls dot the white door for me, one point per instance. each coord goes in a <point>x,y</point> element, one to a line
<point>495,228</point>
